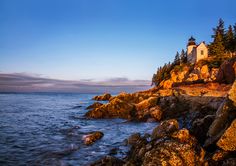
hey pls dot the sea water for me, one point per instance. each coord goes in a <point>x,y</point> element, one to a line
<point>48,129</point>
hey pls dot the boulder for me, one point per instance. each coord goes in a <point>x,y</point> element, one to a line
<point>94,105</point>
<point>219,155</point>
<point>146,104</point>
<point>103,97</point>
<point>227,141</point>
<point>227,72</point>
<point>224,116</point>
<point>165,128</point>
<point>91,138</point>
<point>232,93</point>
<point>133,139</point>
<point>204,72</point>
<point>116,108</point>
<point>132,97</point>
<point>178,149</point>
<point>192,77</point>
<point>108,161</point>
<point>168,146</point>
<point>182,135</point>
<point>156,113</point>
<point>201,126</point>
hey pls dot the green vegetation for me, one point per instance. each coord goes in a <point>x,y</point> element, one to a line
<point>224,41</point>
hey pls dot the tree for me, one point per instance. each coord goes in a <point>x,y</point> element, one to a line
<point>229,40</point>
<point>217,47</point>
<point>235,37</point>
<point>219,30</point>
<point>177,59</point>
<point>183,57</point>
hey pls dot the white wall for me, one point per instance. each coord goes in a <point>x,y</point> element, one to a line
<point>200,48</point>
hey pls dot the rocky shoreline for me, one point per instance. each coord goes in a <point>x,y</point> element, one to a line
<point>197,123</point>
<point>193,130</point>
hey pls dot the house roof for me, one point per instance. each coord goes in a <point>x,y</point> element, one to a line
<point>203,42</point>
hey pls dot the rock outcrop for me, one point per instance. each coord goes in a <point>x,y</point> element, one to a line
<point>227,72</point>
<point>168,147</point>
<point>92,137</point>
<point>193,118</point>
<point>227,141</point>
<point>225,114</point>
<point>103,97</point>
<point>202,72</point>
<point>94,105</point>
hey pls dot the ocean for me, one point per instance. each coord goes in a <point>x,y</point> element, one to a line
<point>48,129</point>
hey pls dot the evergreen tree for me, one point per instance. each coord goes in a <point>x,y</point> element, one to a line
<point>217,47</point>
<point>229,40</point>
<point>177,59</point>
<point>183,57</point>
<point>234,37</point>
<point>219,30</point>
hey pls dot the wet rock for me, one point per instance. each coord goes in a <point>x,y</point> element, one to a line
<point>103,97</point>
<point>94,105</point>
<point>165,128</point>
<point>113,151</point>
<point>108,161</point>
<point>133,139</point>
<point>91,138</point>
<point>227,141</point>
<point>76,107</point>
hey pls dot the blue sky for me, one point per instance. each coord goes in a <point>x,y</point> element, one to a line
<point>102,39</point>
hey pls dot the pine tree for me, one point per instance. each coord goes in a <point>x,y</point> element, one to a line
<point>183,57</point>
<point>219,30</point>
<point>234,37</point>
<point>217,47</point>
<point>229,40</point>
<point>177,59</point>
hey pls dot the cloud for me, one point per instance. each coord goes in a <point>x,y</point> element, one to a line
<point>22,82</point>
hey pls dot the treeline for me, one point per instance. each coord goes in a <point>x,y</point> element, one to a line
<point>163,72</point>
<point>224,40</point>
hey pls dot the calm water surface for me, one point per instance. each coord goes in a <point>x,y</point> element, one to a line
<point>47,129</point>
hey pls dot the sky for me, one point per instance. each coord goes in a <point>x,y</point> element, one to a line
<point>101,40</point>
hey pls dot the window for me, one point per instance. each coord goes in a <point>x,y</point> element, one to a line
<point>202,52</point>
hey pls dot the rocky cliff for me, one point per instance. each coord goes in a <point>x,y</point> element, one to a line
<point>201,72</point>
